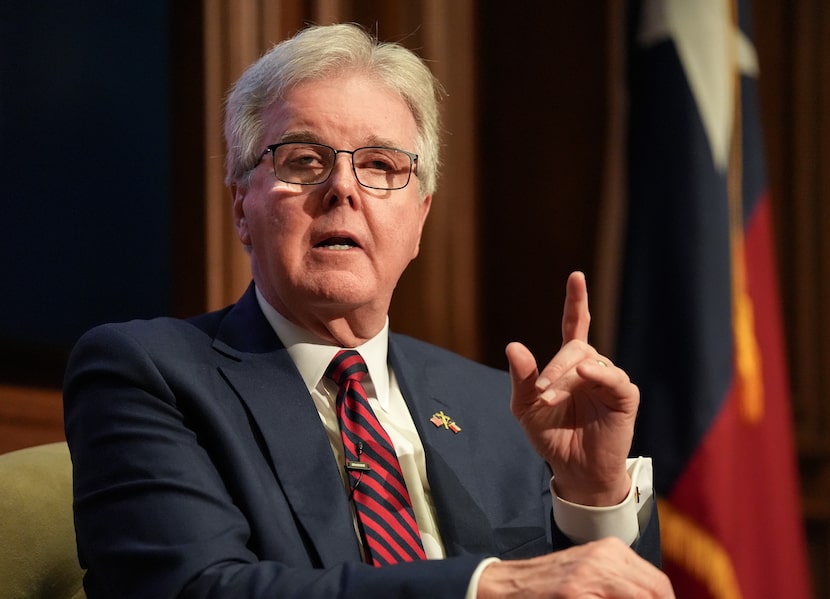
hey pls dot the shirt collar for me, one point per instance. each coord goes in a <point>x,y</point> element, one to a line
<point>312,355</point>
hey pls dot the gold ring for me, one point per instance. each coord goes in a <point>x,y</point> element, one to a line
<point>601,363</point>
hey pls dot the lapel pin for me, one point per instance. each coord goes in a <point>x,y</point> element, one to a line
<point>440,419</point>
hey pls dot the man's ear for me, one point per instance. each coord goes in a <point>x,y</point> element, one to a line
<point>239,220</point>
<point>426,203</point>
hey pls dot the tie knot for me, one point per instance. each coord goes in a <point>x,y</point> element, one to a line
<point>347,365</point>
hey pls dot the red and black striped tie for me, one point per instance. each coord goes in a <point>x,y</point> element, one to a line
<point>384,509</point>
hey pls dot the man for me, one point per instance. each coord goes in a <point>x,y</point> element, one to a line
<point>231,456</point>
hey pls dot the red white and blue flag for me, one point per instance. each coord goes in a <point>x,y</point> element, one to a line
<point>699,328</point>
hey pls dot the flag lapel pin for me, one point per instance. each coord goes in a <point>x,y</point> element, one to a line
<point>441,420</point>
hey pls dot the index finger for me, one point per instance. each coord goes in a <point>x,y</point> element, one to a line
<point>576,319</point>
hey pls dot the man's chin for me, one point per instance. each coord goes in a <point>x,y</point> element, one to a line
<point>344,293</point>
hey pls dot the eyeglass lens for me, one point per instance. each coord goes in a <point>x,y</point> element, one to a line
<point>309,164</point>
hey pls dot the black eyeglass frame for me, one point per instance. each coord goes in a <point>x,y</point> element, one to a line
<point>413,162</point>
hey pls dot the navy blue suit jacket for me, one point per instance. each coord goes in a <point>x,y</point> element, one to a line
<point>202,469</point>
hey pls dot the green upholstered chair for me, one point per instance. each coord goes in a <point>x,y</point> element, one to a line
<point>38,558</point>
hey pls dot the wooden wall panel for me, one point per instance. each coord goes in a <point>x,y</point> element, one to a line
<point>543,99</point>
<point>793,42</point>
<point>236,33</point>
<point>29,416</point>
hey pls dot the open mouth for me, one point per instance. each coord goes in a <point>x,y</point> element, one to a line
<point>337,243</point>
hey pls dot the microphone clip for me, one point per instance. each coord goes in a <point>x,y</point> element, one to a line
<point>360,466</point>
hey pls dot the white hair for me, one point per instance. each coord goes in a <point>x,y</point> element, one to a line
<point>317,52</point>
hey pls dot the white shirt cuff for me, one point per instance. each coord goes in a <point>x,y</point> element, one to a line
<point>582,523</point>
<point>472,589</point>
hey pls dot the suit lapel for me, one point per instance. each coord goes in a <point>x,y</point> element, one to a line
<point>267,381</point>
<point>455,481</point>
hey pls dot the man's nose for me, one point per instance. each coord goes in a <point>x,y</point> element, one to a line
<point>342,182</point>
<point>342,170</point>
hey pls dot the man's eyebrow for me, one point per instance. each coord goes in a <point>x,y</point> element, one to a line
<point>303,136</point>
<point>309,137</point>
<point>380,142</point>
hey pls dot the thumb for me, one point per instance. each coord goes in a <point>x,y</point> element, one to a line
<point>523,375</point>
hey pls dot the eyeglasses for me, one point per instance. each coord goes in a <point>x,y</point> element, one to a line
<point>375,167</point>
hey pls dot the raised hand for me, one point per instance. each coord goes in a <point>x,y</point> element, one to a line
<point>579,412</point>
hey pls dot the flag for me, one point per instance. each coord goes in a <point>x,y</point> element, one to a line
<point>699,328</point>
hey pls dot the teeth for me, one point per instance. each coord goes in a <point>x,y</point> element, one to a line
<point>337,243</point>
